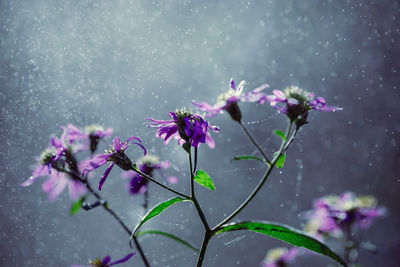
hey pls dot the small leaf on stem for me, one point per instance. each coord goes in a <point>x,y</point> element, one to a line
<point>280,161</point>
<point>202,178</point>
<point>76,206</point>
<point>280,134</point>
<point>158,209</point>
<point>246,157</point>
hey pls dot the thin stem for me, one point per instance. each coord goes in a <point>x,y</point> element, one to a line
<point>195,160</point>
<point>253,140</point>
<point>203,249</point>
<point>193,197</point>
<point>158,183</point>
<point>108,209</point>
<point>260,184</point>
<point>191,176</point>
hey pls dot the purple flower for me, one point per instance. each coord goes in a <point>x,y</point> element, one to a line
<point>138,184</point>
<point>95,133</point>
<point>116,155</point>
<point>333,215</point>
<point>279,257</point>
<point>296,103</point>
<point>74,138</point>
<point>58,154</point>
<point>228,101</point>
<point>185,127</point>
<point>106,262</point>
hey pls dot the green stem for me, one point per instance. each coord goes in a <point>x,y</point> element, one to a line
<point>203,249</point>
<point>260,184</point>
<point>253,140</point>
<point>134,168</point>
<point>193,196</point>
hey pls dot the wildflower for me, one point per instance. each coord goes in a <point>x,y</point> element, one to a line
<point>106,262</point>
<point>185,127</point>
<point>73,137</point>
<point>49,163</point>
<point>95,133</point>
<point>116,155</point>
<point>138,184</point>
<point>228,100</point>
<point>297,103</point>
<point>279,257</point>
<point>333,215</point>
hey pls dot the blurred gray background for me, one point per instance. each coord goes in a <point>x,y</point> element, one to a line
<point>118,62</point>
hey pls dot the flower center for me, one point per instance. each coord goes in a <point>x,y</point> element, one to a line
<point>91,129</point>
<point>47,156</point>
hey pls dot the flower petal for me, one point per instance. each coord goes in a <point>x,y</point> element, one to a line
<point>105,174</point>
<point>94,163</point>
<point>124,259</point>
<point>117,144</point>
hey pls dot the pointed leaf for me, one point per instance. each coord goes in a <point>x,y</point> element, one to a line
<point>76,206</point>
<point>247,157</point>
<point>286,234</point>
<point>281,160</point>
<point>183,242</point>
<point>158,209</point>
<point>280,134</point>
<point>202,178</point>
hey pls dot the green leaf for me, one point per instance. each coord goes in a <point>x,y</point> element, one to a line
<point>247,157</point>
<point>183,242</point>
<point>76,206</point>
<point>286,234</point>
<point>158,209</point>
<point>281,160</point>
<point>203,179</point>
<point>280,134</point>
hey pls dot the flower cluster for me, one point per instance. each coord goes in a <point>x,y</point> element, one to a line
<point>138,184</point>
<point>228,100</point>
<point>334,215</point>
<point>297,103</point>
<point>106,262</point>
<point>184,127</point>
<point>58,159</point>
<point>279,257</point>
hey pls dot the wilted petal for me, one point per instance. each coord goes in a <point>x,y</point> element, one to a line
<point>105,174</point>
<point>210,141</point>
<point>124,259</point>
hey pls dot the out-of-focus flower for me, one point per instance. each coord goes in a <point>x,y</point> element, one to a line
<point>279,257</point>
<point>95,133</point>
<point>297,103</point>
<point>106,262</point>
<point>58,155</point>
<point>185,127</point>
<point>333,215</point>
<point>116,155</point>
<point>228,100</point>
<point>138,184</point>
